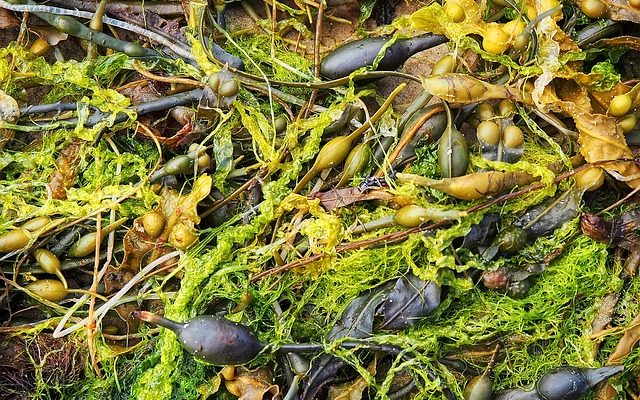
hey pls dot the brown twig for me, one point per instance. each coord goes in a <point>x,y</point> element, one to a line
<point>140,82</point>
<point>316,59</point>
<point>274,13</point>
<point>166,79</point>
<point>230,197</point>
<point>621,201</point>
<point>275,94</point>
<point>130,335</point>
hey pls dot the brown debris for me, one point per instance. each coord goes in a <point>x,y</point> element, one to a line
<point>66,169</point>
<point>58,360</point>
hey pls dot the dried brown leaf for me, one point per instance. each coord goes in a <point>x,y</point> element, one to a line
<point>50,35</point>
<point>343,197</point>
<point>66,169</point>
<point>141,92</point>
<point>600,139</point>
<point>570,91</point>
<point>606,392</point>
<point>602,99</point>
<point>627,342</point>
<point>629,42</point>
<point>250,384</point>
<point>620,10</point>
<point>635,95</point>
<point>7,20</point>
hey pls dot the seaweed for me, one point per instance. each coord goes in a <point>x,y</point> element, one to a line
<point>288,265</point>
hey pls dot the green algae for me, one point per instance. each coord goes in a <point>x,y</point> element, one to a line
<point>549,327</point>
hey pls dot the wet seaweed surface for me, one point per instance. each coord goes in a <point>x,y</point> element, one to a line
<point>319,200</point>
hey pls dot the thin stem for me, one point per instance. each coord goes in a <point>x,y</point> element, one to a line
<point>88,292</point>
<point>160,8</point>
<point>130,336</point>
<point>621,201</point>
<point>96,25</point>
<point>449,138</point>
<point>168,79</point>
<point>274,13</point>
<point>378,114</point>
<point>405,140</point>
<point>229,198</point>
<point>91,326</point>
<point>540,17</point>
<point>316,56</point>
<point>281,97</point>
<point>494,356</point>
<point>544,212</point>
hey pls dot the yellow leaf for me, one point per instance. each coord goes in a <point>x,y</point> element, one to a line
<point>627,342</point>
<point>206,390</point>
<point>600,138</point>
<point>187,205</point>
<point>434,19</point>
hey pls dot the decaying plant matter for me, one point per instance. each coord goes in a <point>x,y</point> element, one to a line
<point>236,199</point>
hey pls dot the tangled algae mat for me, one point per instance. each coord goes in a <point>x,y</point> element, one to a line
<point>417,228</point>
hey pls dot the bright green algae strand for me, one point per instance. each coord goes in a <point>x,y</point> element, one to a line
<point>25,194</point>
